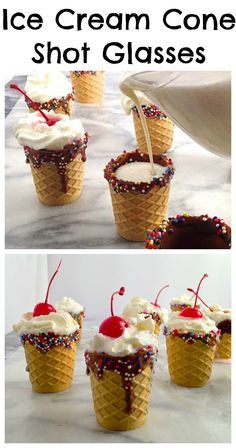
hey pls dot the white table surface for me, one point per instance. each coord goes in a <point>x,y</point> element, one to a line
<point>176,414</point>
<point>201,183</point>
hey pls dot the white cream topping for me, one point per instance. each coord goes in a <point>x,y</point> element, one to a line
<point>218,314</point>
<point>132,340</point>
<point>185,324</point>
<point>138,308</point>
<point>182,300</point>
<point>46,85</point>
<point>69,305</point>
<point>35,133</point>
<point>59,323</point>
<point>139,172</point>
<point>128,103</point>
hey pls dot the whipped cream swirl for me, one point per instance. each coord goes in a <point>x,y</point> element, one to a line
<point>34,132</point>
<point>130,342</point>
<point>182,300</point>
<point>218,314</point>
<point>139,308</point>
<point>59,323</point>
<point>69,305</point>
<point>44,86</point>
<point>187,324</point>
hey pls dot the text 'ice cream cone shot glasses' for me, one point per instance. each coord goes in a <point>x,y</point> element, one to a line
<point>50,341</point>
<point>88,86</point>
<point>50,90</point>
<point>160,127</point>
<point>190,232</point>
<point>191,340</point>
<point>222,319</point>
<point>139,309</point>
<point>139,192</point>
<point>54,147</point>
<point>120,361</point>
<point>74,308</point>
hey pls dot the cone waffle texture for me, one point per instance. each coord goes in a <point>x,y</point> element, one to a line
<point>135,213</point>
<point>189,365</point>
<point>223,350</point>
<point>48,184</point>
<point>52,371</point>
<point>157,328</point>
<point>88,88</point>
<point>110,403</point>
<point>160,131</point>
<point>60,110</point>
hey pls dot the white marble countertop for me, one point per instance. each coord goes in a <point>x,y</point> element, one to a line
<point>176,414</point>
<point>201,183</point>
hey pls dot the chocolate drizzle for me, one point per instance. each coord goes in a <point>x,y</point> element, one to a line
<point>55,103</point>
<point>61,158</point>
<point>126,366</point>
<point>225,326</point>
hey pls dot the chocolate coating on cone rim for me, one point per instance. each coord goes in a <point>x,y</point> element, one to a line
<point>190,232</point>
<point>122,186</point>
<point>55,103</point>
<point>61,158</point>
<point>126,366</point>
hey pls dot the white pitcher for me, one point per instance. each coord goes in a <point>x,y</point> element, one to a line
<point>198,102</point>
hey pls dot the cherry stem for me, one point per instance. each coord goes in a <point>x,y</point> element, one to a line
<point>191,290</point>
<point>159,292</point>
<point>198,288</point>
<point>33,104</point>
<point>120,292</point>
<point>52,278</point>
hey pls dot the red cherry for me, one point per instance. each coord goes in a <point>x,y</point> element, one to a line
<point>114,326</point>
<point>193,313</point>
<point>44,308</point>
<point>48,118</point>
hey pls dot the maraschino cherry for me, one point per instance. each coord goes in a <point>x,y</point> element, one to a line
<point>44,308</point>
<point>158,295</point>
<point>48,118</point>
<point>114,326</point>
<point>194,312</point>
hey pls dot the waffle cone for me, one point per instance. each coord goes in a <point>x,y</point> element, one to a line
<point>157,328</point>
<point>160,131</point>
<point>48,186</point>
<point>135,213</point>
<point>110,403</point>
<point>88,88</point>
<point>223,350</point>
<point>52,371</point>
<point>59,110</point>
<point>190,365</point>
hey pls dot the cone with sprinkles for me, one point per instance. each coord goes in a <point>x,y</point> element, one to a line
<point>191,340</point>
<point>160,129</point>
<point>50,341</point>
<point>88,86</point>
<point>120,383</point>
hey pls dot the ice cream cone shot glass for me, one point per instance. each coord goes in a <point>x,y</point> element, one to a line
<point>191,340</point>
<point>88,86</point>
<point>50,341</point>
<point>222,319</point>
<point>54,147</point>
<point>51,90</point>
<point>139,192</point>
<point>120,361</point>
<point>74,308</point>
